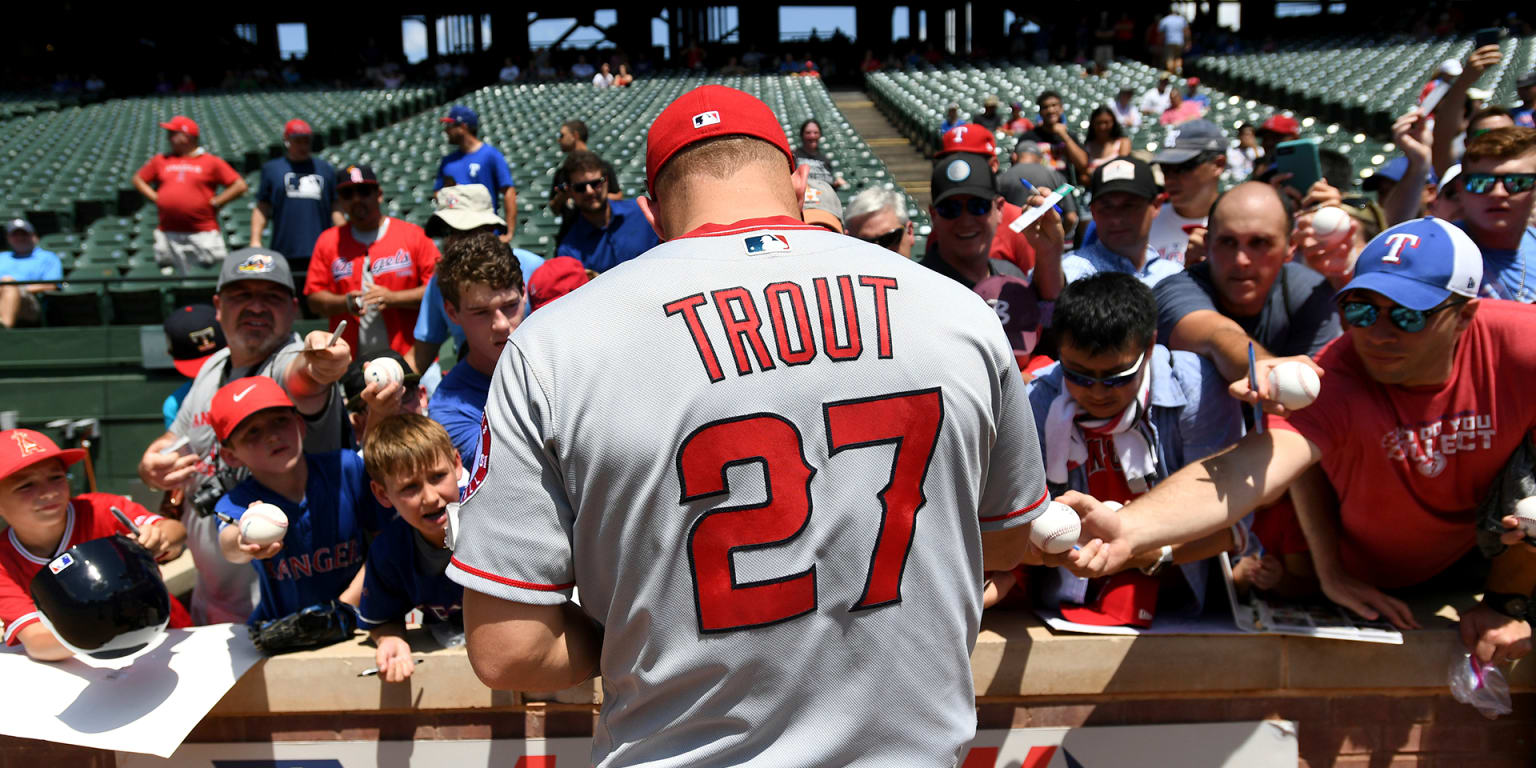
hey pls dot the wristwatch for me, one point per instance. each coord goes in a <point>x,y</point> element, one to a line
<point>1163,558</point>
<point>1513,606</point>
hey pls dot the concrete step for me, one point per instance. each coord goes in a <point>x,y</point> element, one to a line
<point>906,163</point>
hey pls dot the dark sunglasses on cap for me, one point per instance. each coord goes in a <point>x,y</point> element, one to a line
<point>588,187</point>
<point>888,240</point>
<point>357,190</point>
<point>1482,183</point>
<point>1361,314</point>
<point>975,206</point>
<point>1113,381</point>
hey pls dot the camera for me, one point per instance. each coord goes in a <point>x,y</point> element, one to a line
<point>208,493</point>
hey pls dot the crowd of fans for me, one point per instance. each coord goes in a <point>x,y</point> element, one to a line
<point>1143,314</point>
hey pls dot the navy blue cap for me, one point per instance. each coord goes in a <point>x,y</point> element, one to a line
<point>463,115</point>
<point>1419,264</point>
<point>1393,171</point>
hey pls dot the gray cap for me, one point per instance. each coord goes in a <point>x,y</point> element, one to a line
<point>255,264</point>
<point>1187,140</point>
<point>822,206</point>
<point>19,224</point>
<point>1027,147</point>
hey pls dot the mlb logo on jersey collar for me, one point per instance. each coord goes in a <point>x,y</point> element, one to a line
<point>766,243</point>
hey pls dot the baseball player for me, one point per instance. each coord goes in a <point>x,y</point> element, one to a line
<point>776,505</point>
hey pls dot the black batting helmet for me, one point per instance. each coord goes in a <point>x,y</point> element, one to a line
<point>103,598</point>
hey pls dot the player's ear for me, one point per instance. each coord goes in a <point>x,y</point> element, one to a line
<point>381,493</point>
<point>652,215</point>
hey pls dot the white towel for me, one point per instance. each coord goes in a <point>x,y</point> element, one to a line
<point>1065,446</point>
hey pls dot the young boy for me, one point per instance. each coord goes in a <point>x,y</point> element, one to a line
<point>415,470</point>
<point>45,521</point>
<point>325,496</point>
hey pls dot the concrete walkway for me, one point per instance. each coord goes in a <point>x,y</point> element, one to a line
<point>906,164</point>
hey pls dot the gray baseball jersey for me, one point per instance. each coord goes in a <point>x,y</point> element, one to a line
<point>765,453</point>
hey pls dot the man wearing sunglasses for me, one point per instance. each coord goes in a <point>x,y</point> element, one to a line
<point>1498,193</point>
<point>605,232</point>
<point>1117,415</point>
<point>1423,403</point>
<point>1192,161</point>
<point>879,216</point>
<point>966,212</point>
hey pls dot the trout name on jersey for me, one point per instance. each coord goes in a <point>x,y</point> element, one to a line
<point>787,323</point>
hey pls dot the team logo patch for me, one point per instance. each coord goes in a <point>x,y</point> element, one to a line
<point>703,119</point>
<point>1119,170</point>
<point>61,562</point>
<point>203,338</point>
<point>25,444</point>
<point>398,261</point>
<point>1396,242</point>
<point>256,263</point>
<point>341,270</point>
<point>355,174</point>
<point>766,243</point>
<point>482,460</point>
<point>958,171</point>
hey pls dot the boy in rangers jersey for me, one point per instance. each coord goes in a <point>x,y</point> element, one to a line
<point>331,513</point>
<point>416,473</point>
<point>44,522</point>
<point>778,508</point>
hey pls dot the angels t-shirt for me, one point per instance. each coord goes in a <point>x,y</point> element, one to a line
<point>401,258</point>
<point>185,187</point>
<point>1411,464</point>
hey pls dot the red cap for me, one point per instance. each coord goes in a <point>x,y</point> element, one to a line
<point>21,448</point>
<point>708,112</point>
<point>1285,125</point>
<point>1128,598</point>
<point>181,123</point>
<point>297,127</point>
<point>1192,81</point>
<point>555,278</point>
<point>237,400</point>
<point>968,138</point>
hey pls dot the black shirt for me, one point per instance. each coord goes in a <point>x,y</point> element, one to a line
<point>935,262</point>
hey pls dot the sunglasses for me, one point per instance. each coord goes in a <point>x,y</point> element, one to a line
<point>587,187</point>
<point>357,190</point>
<point>1514,183</point>
<point>975,206</point>
<point>1113,381</point>
<point>889,239</point>
<point>1184,167</point>
<point>1361,314</point>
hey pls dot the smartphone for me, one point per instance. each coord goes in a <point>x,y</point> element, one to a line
<point>1299,158</point>
<point>1487,36</point>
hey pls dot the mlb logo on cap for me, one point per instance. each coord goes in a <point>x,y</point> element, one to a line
<point>706,118</point>
<point>767,243</point>
<point>1419,264</point>
<point>61,562</point>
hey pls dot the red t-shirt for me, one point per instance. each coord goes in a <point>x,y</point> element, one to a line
<point>89,517</point>
<point>185,187</point>
<point>401,259</point>
<point>1009,245</point>
<point>1106,480</point>
<point>1411,465</point>
<point>1277,528</point>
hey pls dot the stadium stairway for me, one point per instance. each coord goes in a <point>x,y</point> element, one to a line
<point>905,160</point>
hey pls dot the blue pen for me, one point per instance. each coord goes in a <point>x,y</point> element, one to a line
<point>1028,187</point>
<point>1253,383</point>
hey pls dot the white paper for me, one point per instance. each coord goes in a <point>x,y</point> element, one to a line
<point>147,704</point>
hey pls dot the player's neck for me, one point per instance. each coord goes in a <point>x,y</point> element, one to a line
<point>290,485</point>
<point>727,201</point>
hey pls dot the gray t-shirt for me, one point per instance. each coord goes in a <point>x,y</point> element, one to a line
<point>1012,190</point>
<point>226,591</point>
<point>1298,317</point>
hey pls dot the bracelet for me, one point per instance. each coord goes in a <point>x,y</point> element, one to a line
<point>1163,558</point>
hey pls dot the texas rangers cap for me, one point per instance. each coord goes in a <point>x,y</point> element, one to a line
<point>1018,310</point>
<point>297,128</point>
<point>355,174</point>
<point>462,207</point>
<point>968,138</point>
<point>962,173</point>
<point>255,264</point>
<point>238,400</point>
<point>1128,598</point>
<point>1188,140</point>
<point>555,278</point>
<point>1284,125</point>
<point>709,112</point>
<point>822,206</point>
<point>1419,264</point>
<point>19,225</point>
<point>181,123</point>
<point>194,335</point>
<point>1124,174</point>
<point>21,448</point>
<point>462,115</point>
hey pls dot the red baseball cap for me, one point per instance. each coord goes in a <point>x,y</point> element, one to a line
<point>297,127</point>
<point>238,400</point>
<point>1128,598</point>
<point>21,448</point>
<point>968,138</point>
<point>709,112</point>
<point>181,123</point>
<point>1285,125</point>
<point>555,278</point>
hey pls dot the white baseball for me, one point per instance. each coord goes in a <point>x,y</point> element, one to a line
<point>263,524</point>
<point>1331,224</point>
<point>1293,385</point>
<point>1525,510</point>
<point>382,370</point>
<point>1056,529</point>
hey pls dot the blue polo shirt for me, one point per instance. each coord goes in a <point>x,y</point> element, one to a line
<point>484,166</point>
<point>1094,258</point>
<point>393,583</point>
<point>39,264</point>
<point>432,323</point>
<point>627,235</point>
<point>302,196</point>
<point>328,532</point>
<point>458,405</point>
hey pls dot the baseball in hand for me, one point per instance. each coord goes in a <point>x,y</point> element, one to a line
<point>1331,224</point>
<point>1525,511</point>
<point>263,524</point>
<point>1293,385</point>
<point>1056,529</point>
<point>383,370</point>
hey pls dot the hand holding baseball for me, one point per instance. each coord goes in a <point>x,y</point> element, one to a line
<point>1240,389</point>
<point>327,364</point>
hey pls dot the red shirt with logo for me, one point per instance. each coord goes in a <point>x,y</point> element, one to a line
<point>1106,480</point>
<point>401,259</point>
<point>185,187</point>
<point>89,517</point>
<point>1410,465</point>
<point>1009,245</point>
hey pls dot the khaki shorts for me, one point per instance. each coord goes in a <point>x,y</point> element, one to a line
<point>1171,52</point>
<point>183,249</point>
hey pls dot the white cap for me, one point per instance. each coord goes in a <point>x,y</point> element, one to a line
<point>1450,67</point>
<point>1479,94</point>
<point>1450,175</point>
